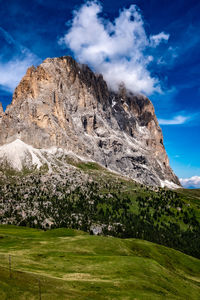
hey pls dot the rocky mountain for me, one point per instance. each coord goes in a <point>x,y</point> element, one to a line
<point>64,106</point>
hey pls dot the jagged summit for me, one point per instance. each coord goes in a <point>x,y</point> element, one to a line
<point>64,104</point>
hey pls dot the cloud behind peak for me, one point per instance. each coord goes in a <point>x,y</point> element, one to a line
<point>117,49</point>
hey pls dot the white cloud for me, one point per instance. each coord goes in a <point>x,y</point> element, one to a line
<point>156,39</point>
<point>193,181</point>
<point>12,70</point>
<point>115,49</point>
<point>175,121</point>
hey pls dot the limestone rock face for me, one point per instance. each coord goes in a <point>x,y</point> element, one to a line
<point>1,111</point>
<point>64,104</point>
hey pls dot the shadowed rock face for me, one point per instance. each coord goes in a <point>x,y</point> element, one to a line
<point>64,104</point>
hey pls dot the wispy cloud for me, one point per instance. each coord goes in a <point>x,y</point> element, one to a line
<point>177,120</point>
<point>181,118</point>
<point>168,57</point>
<point>11,72</point>
<point>13,69</point>
<point>193,181</point>
<point>156,39</point>
<point>116,49</point>
<point>9,39</point>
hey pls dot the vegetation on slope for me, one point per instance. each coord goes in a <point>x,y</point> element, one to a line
<point>70,264</point>
<point>99,202</point>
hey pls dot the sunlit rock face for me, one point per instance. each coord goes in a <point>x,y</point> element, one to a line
<point>1,111</point>
<point>64,104</point>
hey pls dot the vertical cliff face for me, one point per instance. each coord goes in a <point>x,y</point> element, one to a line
<point>64,104</point>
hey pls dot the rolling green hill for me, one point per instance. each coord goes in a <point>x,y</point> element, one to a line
<point>70,264</point>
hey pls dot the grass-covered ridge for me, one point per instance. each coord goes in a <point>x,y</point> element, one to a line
<point>71,264</point>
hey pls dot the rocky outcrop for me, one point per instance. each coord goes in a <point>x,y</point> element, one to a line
<point>1,110</point>
<point>64,104</point>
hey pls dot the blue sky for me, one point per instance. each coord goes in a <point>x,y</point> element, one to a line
<point>164,59</point>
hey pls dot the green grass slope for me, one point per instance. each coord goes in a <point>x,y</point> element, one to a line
<point>89,197</point>
<point>71,264</point>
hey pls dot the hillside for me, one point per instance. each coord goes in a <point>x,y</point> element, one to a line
<point>73,265</point>
<point>88,166</point>
<point>91,198</point>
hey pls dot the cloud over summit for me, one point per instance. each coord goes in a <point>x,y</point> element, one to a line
<point>117,49</point>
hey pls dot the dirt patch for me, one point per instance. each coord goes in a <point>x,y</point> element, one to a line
<point>83,277</point>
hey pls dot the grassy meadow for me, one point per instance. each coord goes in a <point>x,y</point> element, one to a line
<point>71,264</point>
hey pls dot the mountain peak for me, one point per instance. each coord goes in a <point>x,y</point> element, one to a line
<point>64,104</point>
